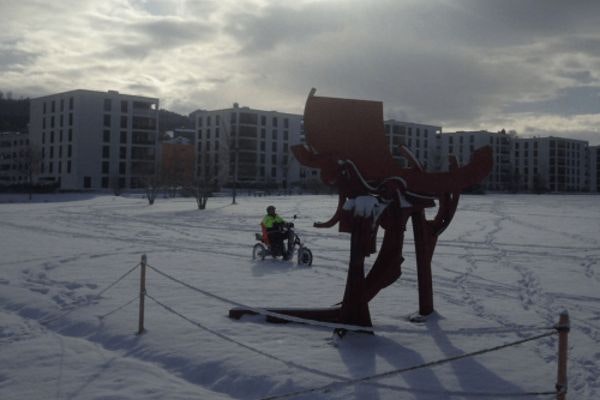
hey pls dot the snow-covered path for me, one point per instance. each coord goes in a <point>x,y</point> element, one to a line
<point>503,271</point>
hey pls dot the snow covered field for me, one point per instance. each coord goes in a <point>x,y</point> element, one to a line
<point>503,271</point>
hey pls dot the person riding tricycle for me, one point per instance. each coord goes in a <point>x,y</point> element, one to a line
<point>275,230</point>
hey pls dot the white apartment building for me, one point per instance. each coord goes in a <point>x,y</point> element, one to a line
<point>419,138</point>
<point>463,143</point>
<point>594,168</point>
<point>14,158</point>
<point>248,146</point>
<point>550,163</point>
<point>95,140</point>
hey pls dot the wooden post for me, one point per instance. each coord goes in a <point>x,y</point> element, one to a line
<point>142,294</point>
<point>563,328</point>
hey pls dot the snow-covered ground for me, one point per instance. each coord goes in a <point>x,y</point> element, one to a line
<point>503,271</point>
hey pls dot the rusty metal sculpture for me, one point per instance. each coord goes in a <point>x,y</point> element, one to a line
<point>345,140</point>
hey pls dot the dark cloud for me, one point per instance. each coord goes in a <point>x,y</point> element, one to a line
<point>11,58</point>
<point>569,101</point>
<point>168,32</point>
<point>260,30</point>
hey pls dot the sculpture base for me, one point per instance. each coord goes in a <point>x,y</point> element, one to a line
<point>329,314</point>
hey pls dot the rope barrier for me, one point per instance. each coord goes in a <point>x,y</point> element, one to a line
<point>45,322</point>
<point>231,340</point>
<point>261,311</point>
<point>118,308</point>
<point>336,385</point>
<point>348,381</point>
<point>117,281</point>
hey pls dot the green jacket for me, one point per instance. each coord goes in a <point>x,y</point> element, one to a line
<point>270,221</point>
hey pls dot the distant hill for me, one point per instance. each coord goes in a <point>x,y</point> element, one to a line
<point>168,120</point>
<point>14,114</point>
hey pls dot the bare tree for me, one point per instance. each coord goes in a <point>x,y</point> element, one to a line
<point>29,166</point>
<point>214,166</point>
<point>153,185</point>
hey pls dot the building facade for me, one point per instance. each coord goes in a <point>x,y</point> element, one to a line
<point>551,164</point>
<point>593,167</point>
<point>16,159</point>
<point>246,146</point>
<point>177,162</point>
<point>95,140</point>
<point>421,139</point>
<point>463,143</point>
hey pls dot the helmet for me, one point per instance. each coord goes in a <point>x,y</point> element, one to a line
<point>271,209</point>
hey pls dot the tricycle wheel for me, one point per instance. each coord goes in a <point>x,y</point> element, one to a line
<point>259,252</point>
<point>305,257</point>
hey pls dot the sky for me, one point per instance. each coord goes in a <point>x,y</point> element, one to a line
<point>530,66</point>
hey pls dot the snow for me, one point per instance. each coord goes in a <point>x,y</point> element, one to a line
<point>503,271</point>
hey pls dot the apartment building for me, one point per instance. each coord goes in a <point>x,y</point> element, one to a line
<point>421,139</point>
<point>463,143</point>
<point>178,161</point>
<point>593,168</point>
<point>16,159</point>
<point>550,163</point>
<point>247,146</point>
<point>95,140</point>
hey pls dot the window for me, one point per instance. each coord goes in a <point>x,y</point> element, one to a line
<point>123,138</point>
<point>122,168</point>
<point>274,147</point>
<point>52,121</point>
<point>105,167</point>
<point>105,151</point>
<point>273,172</point>
<point>106,120</point>
<point>124,106</point>
<point>68,167</point>
<point>51,136</point>
<point>123,121</point>
<point>274,134</point>
<point>70,135</point>
<point>286,123</point>
<point>122,153</point>
<point>44,123</point>
<point>43,137</point>
<point>104,181</point>
<point>274,123</point>
<point>51,152</point>
<point>107,105</point>
<point>60,136</point>
<point>44,107</point>
<point>69,151</point>
<point>70,119</point>
<point>87,182</point>
<point>106,136</point>
<point>53,106</point>
<point>70,103</point>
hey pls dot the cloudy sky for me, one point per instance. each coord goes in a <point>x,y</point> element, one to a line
<point>530,66</point>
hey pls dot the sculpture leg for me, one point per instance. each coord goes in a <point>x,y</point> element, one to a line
<point>425,241</point>
<point>355,307</point>
<point>387,267</point>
